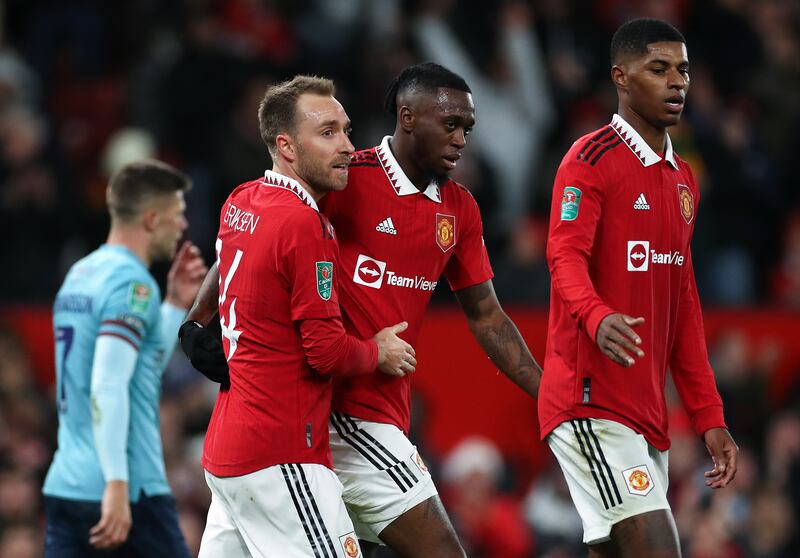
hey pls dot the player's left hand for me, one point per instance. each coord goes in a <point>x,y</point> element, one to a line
<point>185,276</point>
<point>724,452</point>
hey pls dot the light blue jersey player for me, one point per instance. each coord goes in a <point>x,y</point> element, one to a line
<point>107,486</point>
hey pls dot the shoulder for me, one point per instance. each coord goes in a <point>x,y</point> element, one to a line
<point>365,158</point>
<point>303,222</point>
<point>245,189</point>
<point>457,195</point>
<point>685,168</point>
<point>590,155</point>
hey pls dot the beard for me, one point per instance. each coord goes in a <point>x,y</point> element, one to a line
<point>316,173</point>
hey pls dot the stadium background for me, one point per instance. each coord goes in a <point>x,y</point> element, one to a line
<point>86,85</point>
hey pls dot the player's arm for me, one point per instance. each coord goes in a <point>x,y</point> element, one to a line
<point>312,272</point>
<point>578,196</point>
<point>200,334</point>
<point>112,370</point>
<point>128,312</point>
<point>331,351</point>
<point>694,380</point>
<point>499,337</point>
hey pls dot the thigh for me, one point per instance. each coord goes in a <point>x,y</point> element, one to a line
<point>424,530</point>
<point>386,483</point>
<point>221,537</point>
<point>649,535</point>
<point>156,531</point>
<point>611,473</point>
<point>67,528</point>
<point>290,510</point>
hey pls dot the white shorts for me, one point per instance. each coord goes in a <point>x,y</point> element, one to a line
<point>285,511</point>
<point>612,473</point>
<point>382,473</point>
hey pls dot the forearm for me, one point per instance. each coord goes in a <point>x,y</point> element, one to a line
<point>505,347</point>
<point>499,337</point>
<point>112,369</point>
<point>206,303</point>
<point>571,282</point>
<point>330,351</point>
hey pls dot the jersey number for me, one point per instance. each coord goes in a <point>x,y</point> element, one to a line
<point>64,335</point>
<point>229,330</point>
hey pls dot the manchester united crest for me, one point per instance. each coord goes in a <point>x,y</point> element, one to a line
<point>638,480</point>
<point>350,545</point>
<point>445,231</point>
<point>686,200</point>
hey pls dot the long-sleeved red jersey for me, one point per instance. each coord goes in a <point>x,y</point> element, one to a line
<point>620,232</point>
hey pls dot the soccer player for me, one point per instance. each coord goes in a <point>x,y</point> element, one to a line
<point>401,224</point>
<point>107,486</point>
<point>624,307</point>
<point>266,454</point>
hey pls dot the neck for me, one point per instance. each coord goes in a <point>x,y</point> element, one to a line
<point>653,136</point>
<point>284,168</point>
<point>132,239</point>
<point>402,149</point>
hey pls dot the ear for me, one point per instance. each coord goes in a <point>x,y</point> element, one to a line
<point>620,77</point>
<point>406,118</point>
<point>285,147</point>
<point>150,219</point>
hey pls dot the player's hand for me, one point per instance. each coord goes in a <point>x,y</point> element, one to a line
<point>724,452</point>
<point>185,276</point>
<point>395,356</point>
<point>203,348</point>
<point>617,340</point>
<point>115,517</point>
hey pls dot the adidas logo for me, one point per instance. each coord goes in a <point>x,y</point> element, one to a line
<point>641,202</point>
<point>386,226</point>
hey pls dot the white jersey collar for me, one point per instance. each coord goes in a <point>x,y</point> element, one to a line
<point>400,182</point>
<point>278,180</point>
<point>639,147</point>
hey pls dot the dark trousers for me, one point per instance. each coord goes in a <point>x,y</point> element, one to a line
<point>154,533</point>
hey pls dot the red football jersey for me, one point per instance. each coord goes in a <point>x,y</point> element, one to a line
<point>395,244</point>
<point>277,259</point>
<point>620,230</point>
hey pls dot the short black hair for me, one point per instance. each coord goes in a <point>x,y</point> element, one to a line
<point>426,77</point>
<point>633,37</point>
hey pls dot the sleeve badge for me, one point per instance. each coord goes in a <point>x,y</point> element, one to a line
<point>324,280</point>
<point>139,297</point>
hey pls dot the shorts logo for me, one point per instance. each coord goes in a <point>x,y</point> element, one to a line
<point>445,231</point>
<point>139,297</point>
<point>686,200</point>
<point>570,203</point>
<point>369,272</point>
<point>324,280</point>
<point>638,480</point>
<point>638,251</point>
<point>420,463</point>
<point>350,545</point>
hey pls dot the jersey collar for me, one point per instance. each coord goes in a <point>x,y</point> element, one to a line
<point>639,147</point>
<point>400,182</point>
<point>280,181</point>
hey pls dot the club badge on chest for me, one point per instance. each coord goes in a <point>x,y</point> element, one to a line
<point>445,231</point>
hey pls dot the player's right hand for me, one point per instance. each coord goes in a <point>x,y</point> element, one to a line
<point>203,348</point>
<point>395,356</point>
<point>617,340</point>
<point>115,517</point>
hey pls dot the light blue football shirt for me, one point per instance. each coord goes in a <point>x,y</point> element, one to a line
<point>109,292</point>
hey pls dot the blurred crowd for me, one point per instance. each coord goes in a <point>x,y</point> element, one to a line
<point>87,85</point>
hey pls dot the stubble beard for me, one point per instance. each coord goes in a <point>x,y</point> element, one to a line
<point>316,173</point>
